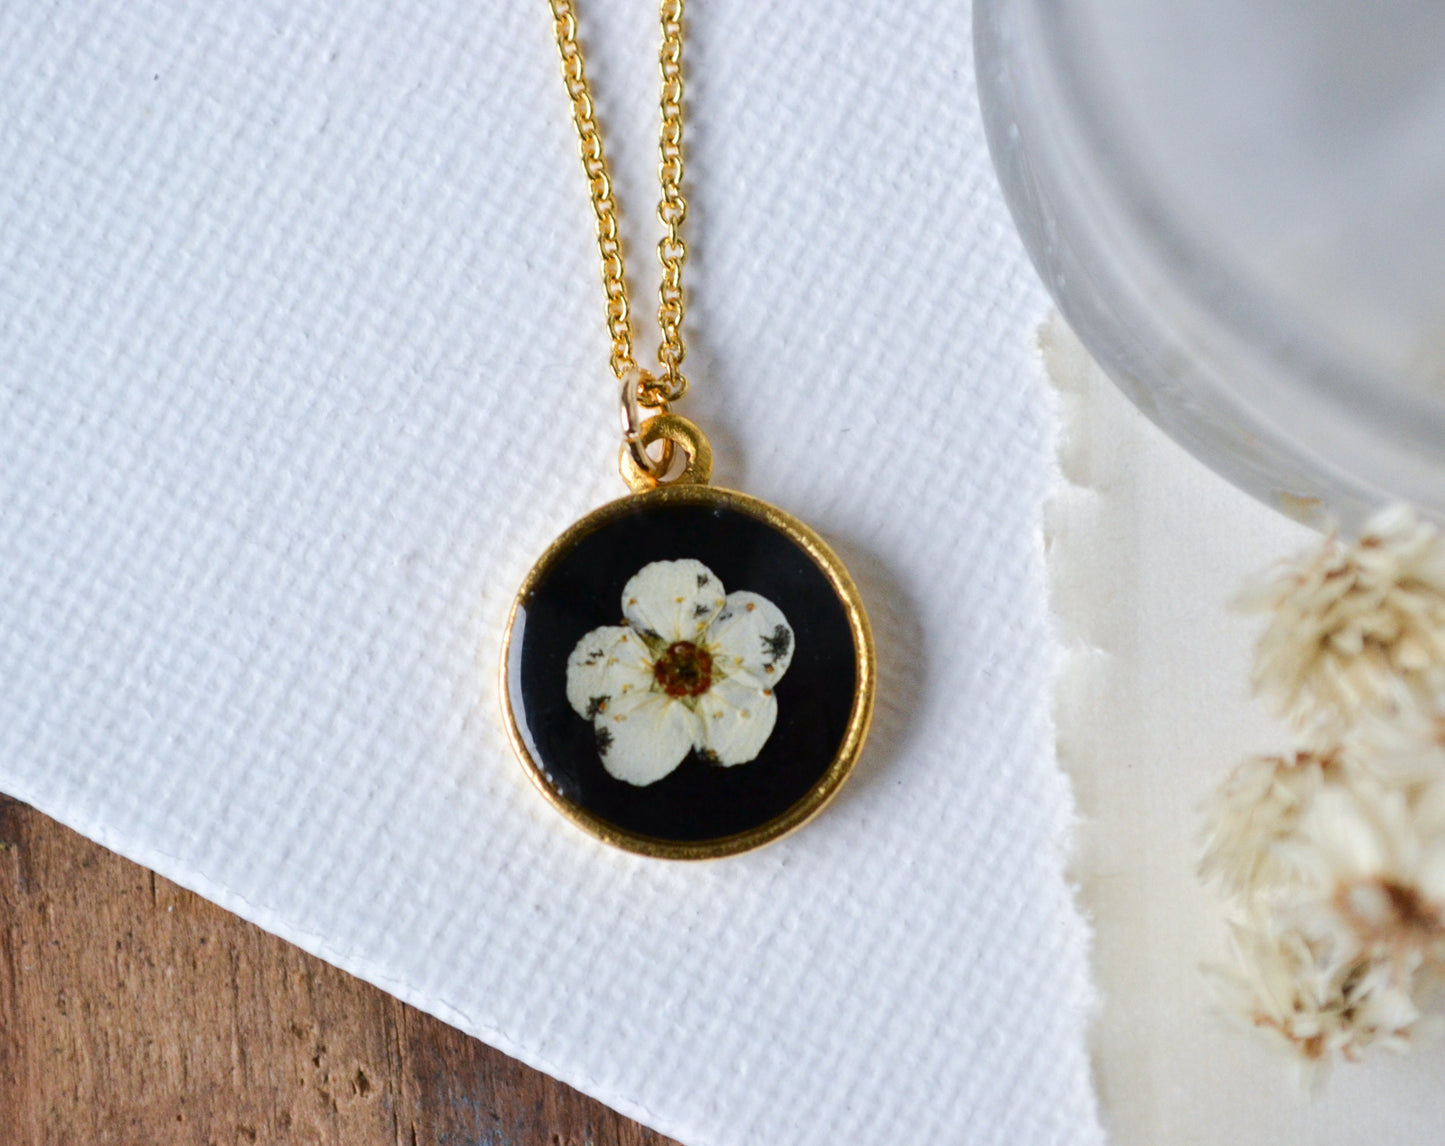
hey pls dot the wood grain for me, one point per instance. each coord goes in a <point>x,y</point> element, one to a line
<point>134,1012</point>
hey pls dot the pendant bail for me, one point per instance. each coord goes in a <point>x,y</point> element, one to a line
<point>672,429</point>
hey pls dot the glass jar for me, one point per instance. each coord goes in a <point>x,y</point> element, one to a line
<point>1239,205</point>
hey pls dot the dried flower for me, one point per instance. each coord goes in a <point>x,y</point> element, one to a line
<point>1406,749</point>
<point>1356,629</point>
<point>1319,1008</point>
<point>1373,873</point>
<point>1253,817</point>
<point>1333,858</point>
<point>692,669</point>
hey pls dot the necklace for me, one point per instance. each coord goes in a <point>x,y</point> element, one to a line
<point>687,672</point>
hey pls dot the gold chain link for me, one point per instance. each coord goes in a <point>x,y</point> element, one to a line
<point>652,391</point>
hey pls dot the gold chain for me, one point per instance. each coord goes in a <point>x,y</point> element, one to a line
<point>652,390</point>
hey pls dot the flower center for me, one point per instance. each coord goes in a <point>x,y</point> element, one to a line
<point>1383,911</point>
<point>684,670</point>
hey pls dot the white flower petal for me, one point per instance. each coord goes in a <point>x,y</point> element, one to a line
<point>751,638</point>
<point>676,600</point>
<point>737,719</point>
<point>606,662</point>
<point>644,735</point>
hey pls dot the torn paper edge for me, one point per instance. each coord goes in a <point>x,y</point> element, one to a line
<point>1071,511</point>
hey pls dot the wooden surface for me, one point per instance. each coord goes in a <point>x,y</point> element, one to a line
<point>133,1012</point>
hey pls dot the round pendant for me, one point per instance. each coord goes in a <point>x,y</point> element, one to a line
<point>688,673</point>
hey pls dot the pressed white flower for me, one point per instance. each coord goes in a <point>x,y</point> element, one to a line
<point>1318,1008</point>
<point>1255,813</point>
<point>693,668</point>
<point>1356,628</point>
<point>1373,873</point>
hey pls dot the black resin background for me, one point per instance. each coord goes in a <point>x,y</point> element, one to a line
<point>698,801</point>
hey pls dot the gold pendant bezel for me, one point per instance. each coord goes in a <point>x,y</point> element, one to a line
<point>860,716</point>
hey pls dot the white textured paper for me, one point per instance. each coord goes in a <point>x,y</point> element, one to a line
<point>301,367</point>
<point>1147,547</point>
